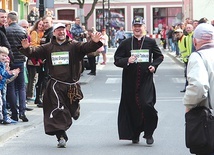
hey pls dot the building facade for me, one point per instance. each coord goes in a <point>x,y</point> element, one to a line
<point>117,13</point>
<point>196,9</point>
<point>20,6</point>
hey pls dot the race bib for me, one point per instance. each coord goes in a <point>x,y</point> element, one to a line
<point>141,55</point>
<point>60,58</point>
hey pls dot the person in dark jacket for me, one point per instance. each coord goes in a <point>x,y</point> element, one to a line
<point>3,38</point>
<point>3,20</point>
<point>139,56</point>
<point>42,70</point>
<point>63,92</point>
<point>33,16</point>
<point>16,89</point>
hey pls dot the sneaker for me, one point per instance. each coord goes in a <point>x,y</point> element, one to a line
<point>103,63</point>
<point>40,105</point>
<point>92,73</point>
<point>9,121</point>
<point>28,109</point>
<point>23,118</point>
<point>62,143</point>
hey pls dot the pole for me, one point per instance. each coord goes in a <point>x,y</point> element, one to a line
<point>109,24</point>
<point>41,8</point>
<point>103,14</point>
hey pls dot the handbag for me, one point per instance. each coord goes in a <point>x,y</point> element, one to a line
<point>199,128</point>
<point>199,132</point>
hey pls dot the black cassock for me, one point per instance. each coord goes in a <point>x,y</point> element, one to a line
<point>136,110</point>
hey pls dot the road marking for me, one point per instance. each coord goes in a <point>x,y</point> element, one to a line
<point>178,80</point>
<point>103,101</point>
<point>95,117</point>
<point>113,80</point>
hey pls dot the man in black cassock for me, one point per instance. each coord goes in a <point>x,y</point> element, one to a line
<point>139,56</point>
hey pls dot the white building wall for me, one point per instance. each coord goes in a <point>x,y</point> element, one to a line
<point>115,1</point>
<point>203,8</point>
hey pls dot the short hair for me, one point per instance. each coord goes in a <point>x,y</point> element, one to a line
<point>2,11</point>
<point>23,21</point>
<point>46,16</point>
<point>13,16</point>
<point>4,50</point>
<point>77,18</point>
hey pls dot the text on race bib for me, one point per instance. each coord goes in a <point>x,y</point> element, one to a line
<point>60,58</point>
<point>141,55</point>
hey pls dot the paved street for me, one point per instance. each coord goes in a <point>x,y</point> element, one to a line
<point>95,132</point>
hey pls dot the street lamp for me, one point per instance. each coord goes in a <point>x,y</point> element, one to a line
<point>41,8</point>
<point>103,14</point>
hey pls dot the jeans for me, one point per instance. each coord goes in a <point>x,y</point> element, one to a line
<point>32,79</point>
<point>177,49</point>
<point>113,42</point>
<point>4,106</point>
<point>17,90</point>
<point>172,44</point>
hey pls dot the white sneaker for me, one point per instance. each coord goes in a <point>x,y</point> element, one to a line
<point>10,121</point>
<point>62,143</point>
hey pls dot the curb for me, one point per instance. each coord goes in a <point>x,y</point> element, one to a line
<point>177,60</point>
<point>35,118</point>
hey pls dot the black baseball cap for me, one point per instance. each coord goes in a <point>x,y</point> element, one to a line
<point>138,20</point>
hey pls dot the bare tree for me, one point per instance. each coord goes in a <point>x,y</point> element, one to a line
<point>81,5</point>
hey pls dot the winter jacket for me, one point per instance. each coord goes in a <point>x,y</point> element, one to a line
<point>200,76</point>
<point>15,34</point>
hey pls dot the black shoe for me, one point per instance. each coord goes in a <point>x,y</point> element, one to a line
<point>37,101</point>
<point>183,91</point>
<point>91,73</point>
<point>28,109</point>
<point>23,118</point>
<point>40,105</point>
<point>135,141</point>
<point>150,141</point>
<point>77,115</point>
<point>14,118</point>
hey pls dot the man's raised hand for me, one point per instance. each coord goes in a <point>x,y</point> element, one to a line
<point>96,37</point>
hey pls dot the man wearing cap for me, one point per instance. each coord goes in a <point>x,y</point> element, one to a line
<point>139,56</point>
<point>180,39</point>
<point>183,51</point>
<point>200,71</point>
<point>63,93</point>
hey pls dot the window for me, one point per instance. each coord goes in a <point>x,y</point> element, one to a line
<point>115,20</point>
<point>138,12</point>
<point>163,17</point>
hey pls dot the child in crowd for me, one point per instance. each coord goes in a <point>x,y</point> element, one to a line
<point>5,73</point>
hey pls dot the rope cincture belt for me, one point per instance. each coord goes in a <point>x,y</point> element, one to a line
<point>73,94</point>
